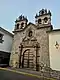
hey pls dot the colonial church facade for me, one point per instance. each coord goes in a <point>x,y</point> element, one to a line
<point>30,48</point>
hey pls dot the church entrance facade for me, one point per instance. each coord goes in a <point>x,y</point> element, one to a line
<point>31,42</point>
<point>29,56</point>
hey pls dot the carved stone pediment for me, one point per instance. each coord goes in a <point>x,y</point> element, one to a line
<point>29,42</point>
<point>29,39</point>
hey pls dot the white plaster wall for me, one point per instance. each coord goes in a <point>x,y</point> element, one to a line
<point>54,53</point>
<point>7,43</point>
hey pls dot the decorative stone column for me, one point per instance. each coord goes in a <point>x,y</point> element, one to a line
<point>37,57</point>
<point>20,48</point>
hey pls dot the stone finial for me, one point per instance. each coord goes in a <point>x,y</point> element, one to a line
<point>20,18</point>
<point>49,12</point>
<point>36,15</point>
<point>43,12</point>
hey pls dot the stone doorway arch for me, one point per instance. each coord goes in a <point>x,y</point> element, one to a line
<point>27,61</point>
<point>29,55</point>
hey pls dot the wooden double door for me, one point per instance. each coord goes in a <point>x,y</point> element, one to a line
<point>27,59</point>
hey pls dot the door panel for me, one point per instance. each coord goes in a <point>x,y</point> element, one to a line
<point>28,59</point>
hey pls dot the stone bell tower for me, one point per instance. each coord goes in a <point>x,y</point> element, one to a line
<point>43,18</point>
<point>20,23</point>
<point>43,24</point>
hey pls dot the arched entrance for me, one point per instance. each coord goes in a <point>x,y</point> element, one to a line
<point>27,61</point>
<point>29,58</point>
<point>29,54</point>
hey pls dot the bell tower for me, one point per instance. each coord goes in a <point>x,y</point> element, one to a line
<point>43,18</point>
<point>20,23</point>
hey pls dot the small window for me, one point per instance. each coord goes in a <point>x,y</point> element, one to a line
<point>1,38</point>
<point>30,33</point>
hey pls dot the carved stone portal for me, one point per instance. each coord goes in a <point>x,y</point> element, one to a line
<point>29,54</point>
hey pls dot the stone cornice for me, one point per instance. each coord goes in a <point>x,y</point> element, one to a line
<point>36,26</point>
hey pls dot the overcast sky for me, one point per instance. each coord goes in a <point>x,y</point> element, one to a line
<point>11,9</point>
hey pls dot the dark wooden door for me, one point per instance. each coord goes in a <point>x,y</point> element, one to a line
<point>27,61</point>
